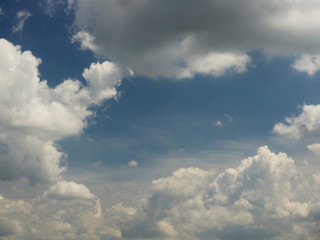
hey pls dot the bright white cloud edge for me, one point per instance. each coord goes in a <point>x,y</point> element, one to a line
<point>37,115</point>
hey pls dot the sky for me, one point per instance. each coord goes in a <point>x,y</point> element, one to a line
<point>159,120</point>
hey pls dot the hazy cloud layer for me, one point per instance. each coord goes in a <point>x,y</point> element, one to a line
<point>179,39</point>
<point>35,219</point>
<point>266,197</point>
<point>34,116</point>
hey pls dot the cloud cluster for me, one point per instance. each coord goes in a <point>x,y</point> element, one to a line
<point>179,39</point>
<point>265,197</point>
<point>61,219</point>
<point>34,116</point>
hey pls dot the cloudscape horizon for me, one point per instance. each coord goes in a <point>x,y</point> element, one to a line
<point>159,120</point>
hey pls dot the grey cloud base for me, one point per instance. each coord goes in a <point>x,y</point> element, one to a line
<point>178,39</point>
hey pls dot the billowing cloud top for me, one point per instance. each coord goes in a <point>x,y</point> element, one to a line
<point>34,116</point>
<point>180,38</point>
<point>265,197</point>
<point>305,125</point>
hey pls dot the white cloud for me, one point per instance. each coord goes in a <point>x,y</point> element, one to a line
<point>226,118</point>
<point>266,197</point>
<point>67,191</point>
<point>305,125</point>
<point>102,78</point>
<point>218,124</point>
<point>21,17</point>
<point>308,63</point>
<point>37,115</point>
<point>210,37</point>
<point>213,62</point>
<point>49,219</point>
<point>218,63</point>
<point>85,39</point>
<point>133,163</point>
<point>315,148</point>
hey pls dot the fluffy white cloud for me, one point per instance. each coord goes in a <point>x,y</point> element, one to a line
<point>308,63</point>
<point>64,190</point>
<point>306,124</point>
<point>34,116</point>
<point>85,39</point>
<point>315,148</point>
<point>208,37</point>
<point>266,197</point>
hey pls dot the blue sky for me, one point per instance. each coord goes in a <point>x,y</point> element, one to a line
<point>140,114</point>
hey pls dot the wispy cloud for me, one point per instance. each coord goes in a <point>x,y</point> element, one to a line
<point>21,18</point>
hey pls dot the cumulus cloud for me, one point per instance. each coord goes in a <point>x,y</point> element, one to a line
<point>85,39</point>
<point>64,190</point>
<point>305,125</point>
<point>315,148</point>
<point>265,197</point>
<point>49,219</point>
<point>21,17</point>
<point>308,63</point>
<point>207,37</point>
<point>133,163</point>
<point>37,115</point>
